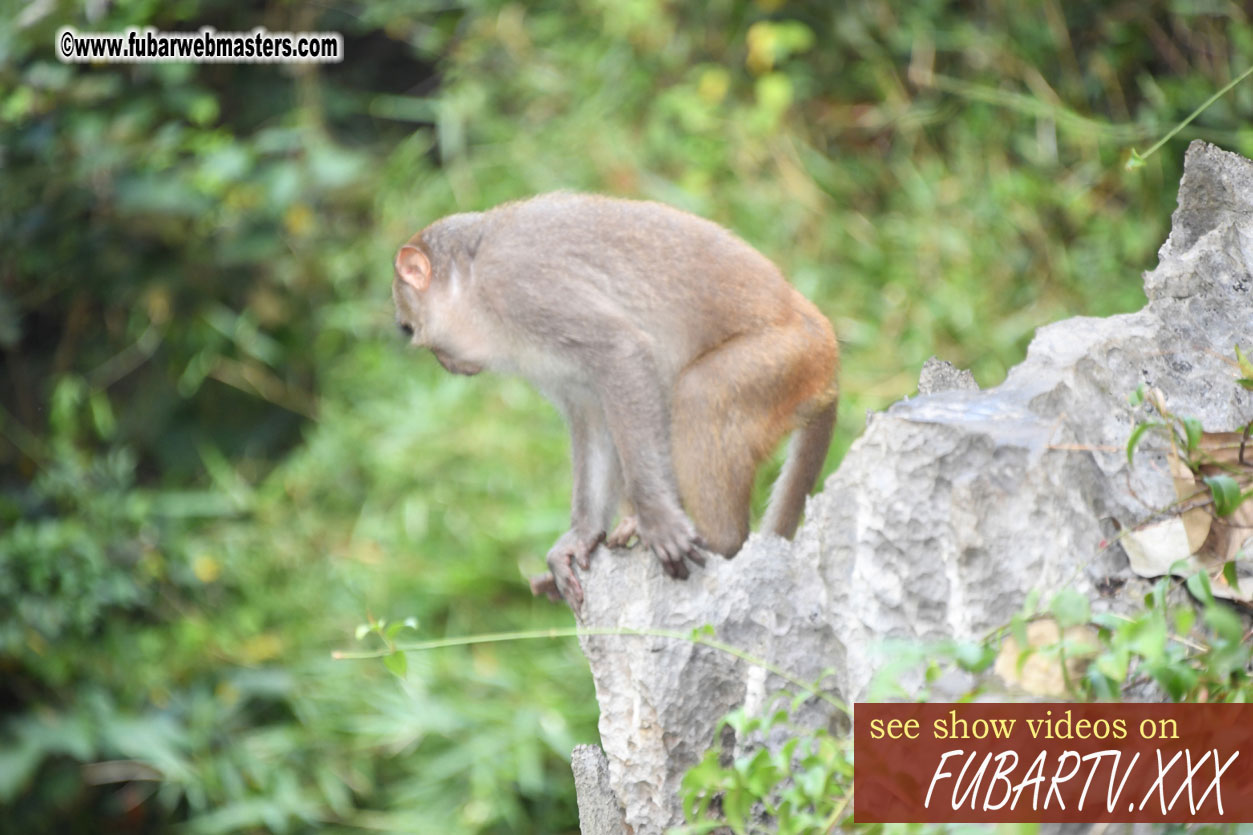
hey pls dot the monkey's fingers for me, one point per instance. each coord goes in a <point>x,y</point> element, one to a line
<point>623,533</point>
<point>584,548</point>
<point>561,564</point>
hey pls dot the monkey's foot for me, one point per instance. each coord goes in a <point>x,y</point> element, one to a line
<point>624,533</point>
<point>673,543</point>
<point>562,583</point>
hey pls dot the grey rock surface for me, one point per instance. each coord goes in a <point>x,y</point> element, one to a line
<point>942,516</point>
<point>661,698</point>
<point>941,375</point>
<point>599,812</point>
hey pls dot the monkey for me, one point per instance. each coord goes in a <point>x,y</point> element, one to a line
<point>678,355</point>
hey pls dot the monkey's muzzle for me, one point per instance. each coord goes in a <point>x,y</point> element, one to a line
<point>455,366</point>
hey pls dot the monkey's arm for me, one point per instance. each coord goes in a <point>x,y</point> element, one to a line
<point>597,484</point>
<point>637,409</point>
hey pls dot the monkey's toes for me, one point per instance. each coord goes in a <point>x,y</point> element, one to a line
<point>696,553</point>
<point>623,533</point>
<point>675,546</point>
<point>546,584</point>
<point>676,568</point>
<point>673,556</point>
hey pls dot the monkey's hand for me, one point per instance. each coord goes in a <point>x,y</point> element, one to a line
<point>672,540</point>
<point>562,583</point>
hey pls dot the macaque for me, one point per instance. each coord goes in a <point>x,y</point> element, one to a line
<point>677,353</point>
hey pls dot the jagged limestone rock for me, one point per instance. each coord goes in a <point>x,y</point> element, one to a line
<point>941,375</point>
<point>599,812</point>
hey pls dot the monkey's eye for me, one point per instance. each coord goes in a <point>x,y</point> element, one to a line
<point>406,329</point>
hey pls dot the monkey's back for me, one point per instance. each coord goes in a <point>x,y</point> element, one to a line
<point>641,258</point>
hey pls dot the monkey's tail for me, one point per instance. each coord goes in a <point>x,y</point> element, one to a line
<point>805,455</point>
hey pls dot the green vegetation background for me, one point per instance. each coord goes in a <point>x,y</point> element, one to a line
<point>216,460</point>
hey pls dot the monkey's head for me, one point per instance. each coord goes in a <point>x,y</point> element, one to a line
<point>412,293</point>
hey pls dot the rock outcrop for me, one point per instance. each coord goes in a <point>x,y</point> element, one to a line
<point>947,510</point>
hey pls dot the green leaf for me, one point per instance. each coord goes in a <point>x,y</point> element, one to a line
<point>1147,638</point>
<point>1113,664</point>
<point>1070,608</point>
<point>397,663</point>
<point>1193,428</point>
<point>973,657</point>
<point>813,781</point>
<point>1136,397</point>
<point>1176,679</point>
<point>102,414</point>
<point>68,395</point>
<point>1107,620</point>
<point>1185,617</point>
<point>1103,687</point>
<point>393,629</point>
<point>1246,367</point>
<point>760,776</point>
<point>1136,435</point>
<point>1230,575</point>
<point>1134,161</point>
<point>1225,623</point>
<point>1018,628</point>
<point>363,629</point>
<point>1031,603</point>
<point>1198,585</point>
<point>198,367</point>
<point>1226,492</point>
<point>735,805</point>
<point>1156,598</point>
<point>774,93</point>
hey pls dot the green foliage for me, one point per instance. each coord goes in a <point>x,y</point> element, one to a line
<point>1190,661</point>
<point>1226,493</point>
<point>1069,608</point>
<point>214,461</point>
<point>800,786</point>
<point>1224,466</point>
<point>1246,370</point>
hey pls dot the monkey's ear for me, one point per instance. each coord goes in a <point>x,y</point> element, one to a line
<point>413,267</point>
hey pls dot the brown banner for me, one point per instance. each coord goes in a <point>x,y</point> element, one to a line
<point>1037,763</point>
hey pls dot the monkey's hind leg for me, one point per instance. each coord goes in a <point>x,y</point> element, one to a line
<point>731,408</point>
<point>713,460</point>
